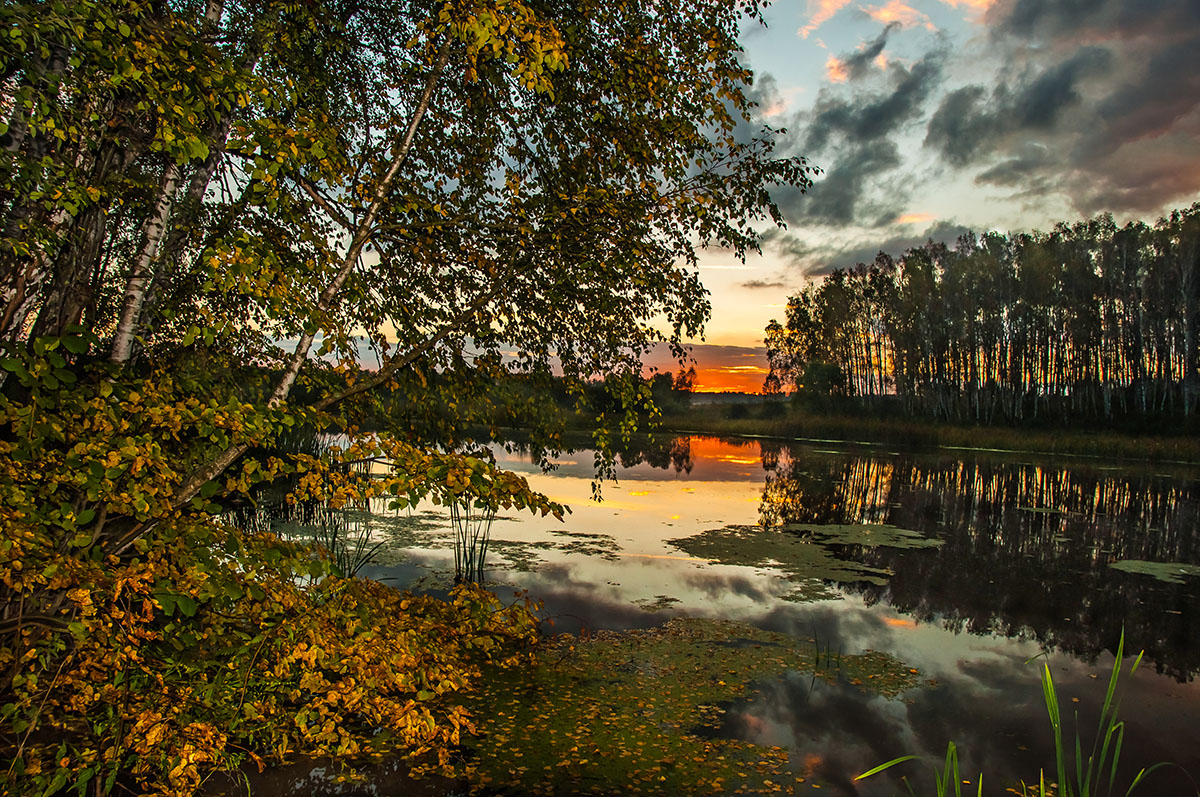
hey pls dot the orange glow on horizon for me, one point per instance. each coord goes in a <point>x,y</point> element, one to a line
<point>730,379</point>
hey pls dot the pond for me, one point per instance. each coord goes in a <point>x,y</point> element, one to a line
<point>971,568</point>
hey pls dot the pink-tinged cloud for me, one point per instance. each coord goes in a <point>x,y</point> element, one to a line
<point>896,12</point>
<point>977,7</point>
<point>835,70</point>
<point>881,61</point>
<point>913,218</point>
<point>820,11</point>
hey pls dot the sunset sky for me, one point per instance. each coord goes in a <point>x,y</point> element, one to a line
<point>933,117</point>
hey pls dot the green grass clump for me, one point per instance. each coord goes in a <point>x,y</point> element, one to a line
<point>1078,776</point>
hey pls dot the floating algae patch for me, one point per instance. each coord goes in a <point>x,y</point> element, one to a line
<point>1170,572</point>
<point>601,545</point>
<point>429,530</point>
<point>869,534</point>
<point>657,603</point>
<point>617,713</point>
<point>801,558</point>
<point>1042,510</point>
<point>520,556</point>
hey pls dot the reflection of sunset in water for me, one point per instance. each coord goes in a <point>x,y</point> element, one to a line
<point>1022,567</point>
<point>899,622</point>
<point>715,449</point>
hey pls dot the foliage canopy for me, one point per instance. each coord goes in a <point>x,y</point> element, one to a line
<point>209,212</point>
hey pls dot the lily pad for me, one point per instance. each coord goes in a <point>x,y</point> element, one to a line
<point>1041,510</point>
<point>518,555</point>
<point>1170,572</point>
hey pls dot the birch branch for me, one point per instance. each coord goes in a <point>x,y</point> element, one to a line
<point>362,233</point>
<point>191,487</point>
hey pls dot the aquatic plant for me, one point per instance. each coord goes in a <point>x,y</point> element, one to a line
<point>472,533</point>
<point>1077,776</point>
<point>945,778</point>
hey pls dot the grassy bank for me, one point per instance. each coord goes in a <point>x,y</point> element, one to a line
<point>787,423</point>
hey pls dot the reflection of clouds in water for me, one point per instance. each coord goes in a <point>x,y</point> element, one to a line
<point>312,779</point>
<point>965,615</point>
<point>716,587</point>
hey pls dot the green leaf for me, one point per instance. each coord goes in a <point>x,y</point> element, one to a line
<point>186,605</point>
<point>74,344</point>
<point>166,601</point>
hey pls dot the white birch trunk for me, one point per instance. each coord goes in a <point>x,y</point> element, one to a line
<point>139,277</point>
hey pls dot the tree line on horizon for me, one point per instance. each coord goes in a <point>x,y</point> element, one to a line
<point>1089,322</point>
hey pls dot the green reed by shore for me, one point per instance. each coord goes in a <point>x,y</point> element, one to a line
<point>1079,771</point>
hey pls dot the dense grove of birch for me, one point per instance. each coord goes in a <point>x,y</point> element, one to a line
<point>1089,322</point>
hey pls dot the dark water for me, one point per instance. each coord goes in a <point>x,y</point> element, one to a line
<point>964,565</point>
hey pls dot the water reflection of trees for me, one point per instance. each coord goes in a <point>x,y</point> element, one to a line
<point>665,453</point>
<point>1027,546</point>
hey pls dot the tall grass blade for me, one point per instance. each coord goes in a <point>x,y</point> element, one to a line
<point>1104,731</point>
<point>888,765</point>
<point>1119,730</point>
<point>951,759</point>
<point>1055,723</point>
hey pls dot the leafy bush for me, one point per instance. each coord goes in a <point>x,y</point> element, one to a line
<point>208,650</point>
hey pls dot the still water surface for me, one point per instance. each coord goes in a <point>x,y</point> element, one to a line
<point>965,565</point>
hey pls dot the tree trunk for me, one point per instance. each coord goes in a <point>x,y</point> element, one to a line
<point>153,232</point>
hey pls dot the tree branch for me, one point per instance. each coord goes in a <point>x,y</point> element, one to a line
<point>192,486</point>
<point>363,232</point>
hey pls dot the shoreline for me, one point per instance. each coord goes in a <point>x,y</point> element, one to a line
<point>1177,449</point>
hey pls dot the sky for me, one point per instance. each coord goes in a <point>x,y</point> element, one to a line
<point>932,117</point>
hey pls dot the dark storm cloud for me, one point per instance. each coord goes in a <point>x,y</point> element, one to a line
<point>1076,20</point>
<point>851,133</point>
<point>1169,90</point>
<point>1040,103</point>
<point>866,116</point>
<point>758,285</point>
<point>1099,102</point>
<point>960,125</point>
<point>840,196</point>
<point>764,92</point>
<point>859,63</point>
<point>968,123</point>
<point>1024,166</point>
<point>817,260</point>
